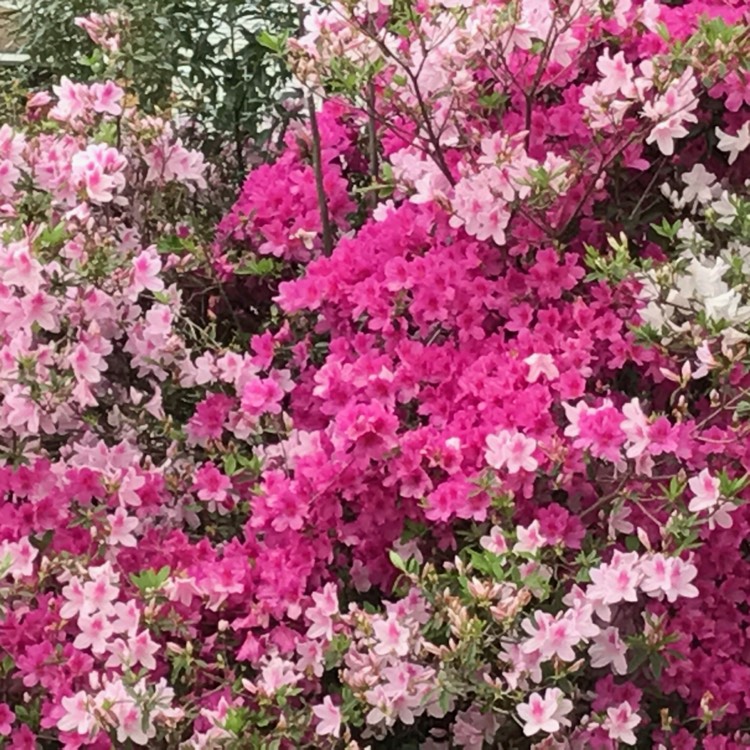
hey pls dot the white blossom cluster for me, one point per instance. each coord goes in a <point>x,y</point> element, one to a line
<point>707,282</point>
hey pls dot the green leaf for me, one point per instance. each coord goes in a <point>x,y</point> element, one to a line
<point>397,561</point>
<point>230,464</point>
<point>270,42</point>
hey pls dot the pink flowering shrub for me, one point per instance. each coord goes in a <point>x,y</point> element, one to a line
<point>476,478</point>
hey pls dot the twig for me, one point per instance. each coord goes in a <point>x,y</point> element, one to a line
<point>325,220</point>
<point>372,141</point>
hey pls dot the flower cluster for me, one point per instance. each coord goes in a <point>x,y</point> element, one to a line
<point>438,440</point>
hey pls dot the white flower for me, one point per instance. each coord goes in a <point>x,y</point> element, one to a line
<point>724,207</point>
<point>699,182</point>
<point>734,144</point>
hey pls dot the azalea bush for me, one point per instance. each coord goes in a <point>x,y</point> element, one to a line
<point>437,440</point>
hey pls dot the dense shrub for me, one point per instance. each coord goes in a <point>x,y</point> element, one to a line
<point>441,442</point>
<point>206,54</point>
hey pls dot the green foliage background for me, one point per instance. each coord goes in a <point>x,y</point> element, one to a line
<point>234,88</point>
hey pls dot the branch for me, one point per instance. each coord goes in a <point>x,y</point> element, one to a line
<point>325,220</point>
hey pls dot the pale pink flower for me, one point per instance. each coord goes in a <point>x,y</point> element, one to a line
<point>40,308</point>
<point>100,171</point>
<point>87,365</point>
<point>495,541</point>
<point>12,145</point>
<point>329,716</point>
<point>670,111</point>
<point>512,450</point>
<point>130,483</point>
<point>521,664</point>
<point>607,649</point>
<point>322,614</point>
<point>99,596</point>
<point>617,75</point>
<point>106,98</point>
<point>551,636</point>
<point>276,674</point>
<point>76,598</point>
<point>530,538</point>
<point>721,516</point>
<point>131,724</point>
<point>127,617</point>
<point>22,555</point>
<point>392,637</point>
<point>705,489</point>
<point>472,729</point>
<point>545,713</point>
<point>72,99</point>
<point>668,576</point>
<point>635,426</point>
<point>541,364</point>
<point>312,657</point>
<point>620,723</point>
<point>120,527</point>
<point>616,582</point>
<point>139,649</point>
<point>95,632</point>
<point>143,647</point>
<point>9,175</point>
<point>21,269</point>
<point>146,269</point>
<point>706,359</point>
<point>78,716</point>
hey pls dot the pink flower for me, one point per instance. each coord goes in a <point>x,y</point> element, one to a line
<point>541,364</point>
<point>71,100</point>
<point>106,98</point>
<point>146,269</point>
<point>6,719</point>
<point>322,614</point>
<point>392,637</point>
<point>616,582</point>
<point>260,396</point>
<point>78,716</point>
<point>608,649</point>
<point>139,649</point>
<point>120,527</point>
<point>620,723</point>
<point>552,636</point>
<point>87,365</point>
<point>668,576</point>
<point>75,596</point>
<point>95,632</point>
<point>99,595</point>
<point>99,170</point>
<point>276,674</point>
<point>636,428</point>
<point>329,717</point>
<point>617,75</point>
<point>21,269</point>
<point>530,539</point>
<point>512,450</point>
<point>495,541</point>
<point>211,484</point>
<point>545,713</point>
<point>705,489</point>
<point>9,175</point>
